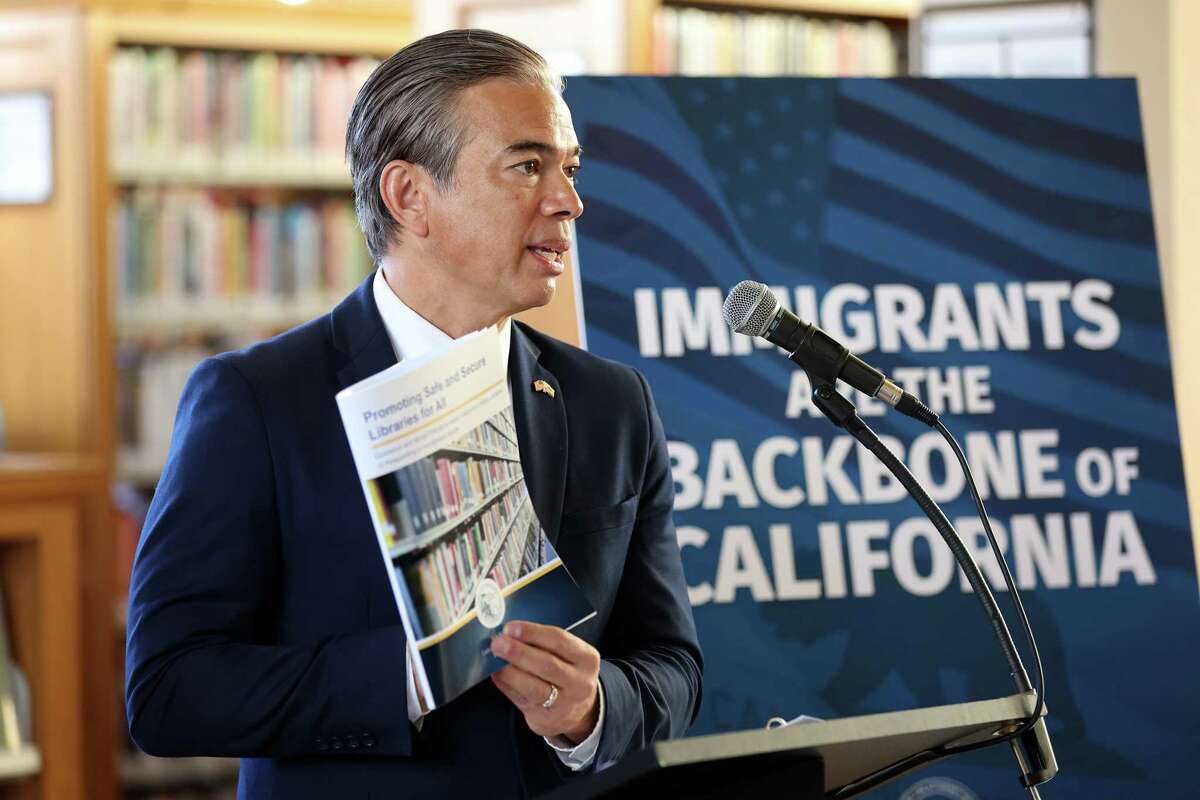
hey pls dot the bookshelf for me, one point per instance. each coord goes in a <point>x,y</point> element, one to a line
<point>769,37</point>
<point>227,215</point>
<point>63,322</point>
<point>233,216</point>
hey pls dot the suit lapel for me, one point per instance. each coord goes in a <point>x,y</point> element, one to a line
<point>359,333</point>
<point>541,431</point>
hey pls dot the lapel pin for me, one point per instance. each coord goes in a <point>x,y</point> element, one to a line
<point>543,387</point>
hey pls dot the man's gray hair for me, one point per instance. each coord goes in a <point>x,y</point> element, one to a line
<point>408,110</point>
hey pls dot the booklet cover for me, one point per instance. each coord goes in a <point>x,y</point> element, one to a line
<point>436,450</point>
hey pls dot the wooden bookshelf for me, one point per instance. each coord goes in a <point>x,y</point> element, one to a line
<point>347,28</point>
<point>640,14</point>
<point>59,324</point>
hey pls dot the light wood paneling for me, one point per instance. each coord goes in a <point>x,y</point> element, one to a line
<point>47,378</point>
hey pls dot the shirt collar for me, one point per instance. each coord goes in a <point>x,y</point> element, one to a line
<point>411,335</point>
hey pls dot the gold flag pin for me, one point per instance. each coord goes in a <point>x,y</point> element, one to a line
<point>541,386</point>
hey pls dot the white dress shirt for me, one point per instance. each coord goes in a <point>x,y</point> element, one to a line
<point>412,336</point>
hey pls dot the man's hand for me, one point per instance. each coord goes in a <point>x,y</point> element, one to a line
<point>541,655</point>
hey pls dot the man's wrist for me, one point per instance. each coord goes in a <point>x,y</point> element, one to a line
<point>587,724</point>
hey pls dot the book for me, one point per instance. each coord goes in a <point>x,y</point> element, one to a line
<point>436,449</point>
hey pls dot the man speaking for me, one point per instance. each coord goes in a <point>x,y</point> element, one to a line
<point>261,619</point>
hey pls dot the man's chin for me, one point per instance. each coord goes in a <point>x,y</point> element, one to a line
<point>540,295</point>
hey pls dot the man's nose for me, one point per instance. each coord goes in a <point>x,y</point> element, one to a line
<point>563,201</point>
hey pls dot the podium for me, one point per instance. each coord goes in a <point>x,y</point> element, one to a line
<point>806,760</point>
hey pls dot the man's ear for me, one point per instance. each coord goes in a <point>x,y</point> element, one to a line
<point>405,187</point>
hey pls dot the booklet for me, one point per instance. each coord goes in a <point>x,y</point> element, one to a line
<point>435,447</point>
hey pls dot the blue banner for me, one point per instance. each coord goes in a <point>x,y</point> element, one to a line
<point>990,245</point>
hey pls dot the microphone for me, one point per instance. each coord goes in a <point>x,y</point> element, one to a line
<point>752,309</point>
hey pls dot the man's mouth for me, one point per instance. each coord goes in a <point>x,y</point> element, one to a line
<point>549,255</point>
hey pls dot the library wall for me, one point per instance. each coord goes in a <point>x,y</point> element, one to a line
<point>1154,41</point>
<point>46,327</point>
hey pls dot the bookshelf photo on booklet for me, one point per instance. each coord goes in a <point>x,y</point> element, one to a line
<point>435,447</point>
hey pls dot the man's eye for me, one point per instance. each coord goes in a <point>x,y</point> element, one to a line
<point>573,172</point>
<point>528,167</point>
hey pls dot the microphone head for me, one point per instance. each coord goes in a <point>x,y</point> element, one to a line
<point>749,307</point>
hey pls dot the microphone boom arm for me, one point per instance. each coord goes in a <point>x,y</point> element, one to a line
<point>1030,742</point>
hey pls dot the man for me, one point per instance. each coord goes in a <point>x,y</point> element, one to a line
<point>262,623</point>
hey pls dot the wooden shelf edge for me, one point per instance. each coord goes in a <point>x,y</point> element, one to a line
<point>265,29</point>
<point>18,466</point>
<point>232,315</point>
<point>212,172</point>
<point>22,763</point>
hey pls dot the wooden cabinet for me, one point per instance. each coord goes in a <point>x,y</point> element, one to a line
<point>49,507</point>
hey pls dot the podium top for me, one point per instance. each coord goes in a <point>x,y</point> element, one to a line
<point>851,748</point>
<point>856,746</point>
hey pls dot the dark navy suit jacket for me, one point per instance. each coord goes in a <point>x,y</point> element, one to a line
<point>261,620</point>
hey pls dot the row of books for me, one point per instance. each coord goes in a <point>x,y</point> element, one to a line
<point>205,245</point>
<point>447,573</point>
<point>521,554</point>
<point>497,436</point>
<point>190,106</point>
<point>503,423</point>
<point>692,41</point>
<point>436,490</point>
